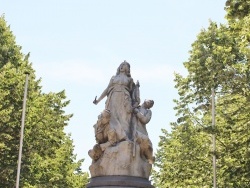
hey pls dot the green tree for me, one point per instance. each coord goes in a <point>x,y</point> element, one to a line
<point>48,159</point>
<point>219,59</point>
<point>237,9</point>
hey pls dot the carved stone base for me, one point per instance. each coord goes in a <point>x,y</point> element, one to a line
<point>119,182</point>
<point>119,161</point>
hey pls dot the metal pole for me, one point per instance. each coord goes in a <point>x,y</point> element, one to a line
<point>22,130</point>
<point>213,138</point>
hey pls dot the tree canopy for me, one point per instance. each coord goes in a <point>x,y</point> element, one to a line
<point>48,159</point>
<point>219,59</point>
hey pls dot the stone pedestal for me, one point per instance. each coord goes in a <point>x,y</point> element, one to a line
<point>119,182</point>
<point>118,168</point>
<point>119,161</point>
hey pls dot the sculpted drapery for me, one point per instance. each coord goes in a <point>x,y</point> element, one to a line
<point>119,102</point>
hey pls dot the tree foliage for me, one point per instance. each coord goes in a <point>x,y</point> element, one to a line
<point>48,159</point>
<point>237,9</point>
<point>219,59</point>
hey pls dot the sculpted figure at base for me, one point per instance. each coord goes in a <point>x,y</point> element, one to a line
<point>122,148</point>
<point>95,153</point>
<point>143,115</point>
<point>105,136</point>
<point>102,127</point>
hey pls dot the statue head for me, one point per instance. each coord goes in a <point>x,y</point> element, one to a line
<point>96,152</point>
<point>148,103</point>
<point>124,67</point>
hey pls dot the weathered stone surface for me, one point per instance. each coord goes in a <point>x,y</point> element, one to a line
<point>119,160</point>
<point>119,182</point>
<point>123,154</point>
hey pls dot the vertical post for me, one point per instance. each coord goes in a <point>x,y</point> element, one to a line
<point>213,138</point>
<point>22,130</point>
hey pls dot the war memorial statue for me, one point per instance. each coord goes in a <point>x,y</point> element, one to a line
<point>123,154</point>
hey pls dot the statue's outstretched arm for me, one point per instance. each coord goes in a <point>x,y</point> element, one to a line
<point>104,93</point>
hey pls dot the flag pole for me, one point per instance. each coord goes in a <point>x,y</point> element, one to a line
<point>22,130</point>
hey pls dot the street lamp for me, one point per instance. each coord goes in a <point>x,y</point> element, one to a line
<point>213,138</point>
<point>22,130</point>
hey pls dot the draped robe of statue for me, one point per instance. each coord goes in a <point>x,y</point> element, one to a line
<point>119,104</point>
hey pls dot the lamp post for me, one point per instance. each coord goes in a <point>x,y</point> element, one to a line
<point>22,130</point>
<point>213,139</point>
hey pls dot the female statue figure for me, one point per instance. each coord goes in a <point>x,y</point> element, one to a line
<point>119,103</point>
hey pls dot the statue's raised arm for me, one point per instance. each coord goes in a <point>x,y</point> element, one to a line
<point>104,94</point>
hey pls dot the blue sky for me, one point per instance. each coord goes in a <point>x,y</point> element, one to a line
<point>77,45</point>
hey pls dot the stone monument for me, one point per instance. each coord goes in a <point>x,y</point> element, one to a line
<point>123,155</point>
